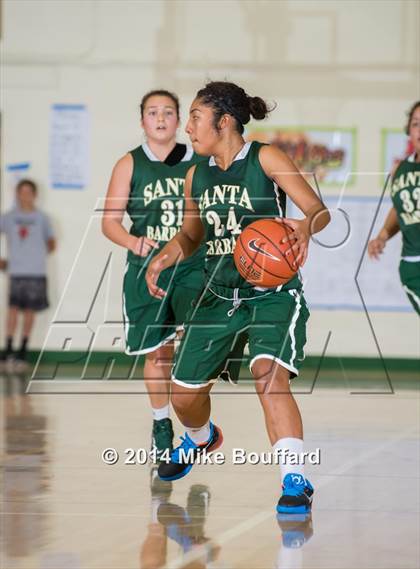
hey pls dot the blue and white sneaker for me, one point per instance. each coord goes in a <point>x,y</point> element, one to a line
<point>297,495</point>
<point>183,457</point>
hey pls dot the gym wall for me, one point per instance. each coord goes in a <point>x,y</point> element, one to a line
<point>346,64</point>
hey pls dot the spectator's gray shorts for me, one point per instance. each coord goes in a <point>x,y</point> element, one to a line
<point>28,293</point>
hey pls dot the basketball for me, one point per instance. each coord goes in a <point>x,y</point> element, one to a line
<point>260,256</point>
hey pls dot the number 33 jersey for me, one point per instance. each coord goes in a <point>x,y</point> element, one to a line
<point>156,201</point>
<point>405,193</point>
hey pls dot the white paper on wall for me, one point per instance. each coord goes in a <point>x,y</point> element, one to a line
<point>330,271</point>
<point>69,146</point>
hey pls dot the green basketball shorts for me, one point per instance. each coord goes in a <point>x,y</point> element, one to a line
<point>274,324</point>
<point>410,279</point>
<point>148,322</point>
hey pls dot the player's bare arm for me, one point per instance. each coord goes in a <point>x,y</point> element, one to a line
<point>115,206</point>
<point>183,245</point>
<point>283,171</point>
<point>390,228</point>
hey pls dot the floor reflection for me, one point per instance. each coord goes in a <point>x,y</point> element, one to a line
<point>296,531</point>
<point>25,469</point>
<point>183,525</point>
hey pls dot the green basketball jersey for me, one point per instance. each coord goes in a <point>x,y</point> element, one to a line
<point>405,193</point>
<point>156,201</point>
<point>228,202</point>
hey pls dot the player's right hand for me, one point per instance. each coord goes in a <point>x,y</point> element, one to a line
<point>3,264</point>
<point>142,246</point>
<point>154,269</point>
<point>376,247</point>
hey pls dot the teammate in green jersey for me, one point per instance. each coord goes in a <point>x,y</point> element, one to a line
<point>148,184</point>
<point>239,183</point>
<point>404,215</point>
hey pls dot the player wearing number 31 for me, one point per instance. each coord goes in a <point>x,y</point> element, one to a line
<point>404,215</point>
<point>240,183</point>
<point>148,184</point>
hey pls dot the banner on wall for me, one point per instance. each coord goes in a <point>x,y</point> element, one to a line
<point>327,152</point>
<point>395,147</point>
<point>69,146</point>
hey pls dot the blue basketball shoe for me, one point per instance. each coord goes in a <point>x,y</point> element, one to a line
<point>183,457</point>
<point>297,495</point>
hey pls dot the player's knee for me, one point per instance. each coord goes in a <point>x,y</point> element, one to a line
<point>187,400</point>
<point>154,359</point>
<point>160,358</point>
<point>263,369</point>
<point>270,376</point>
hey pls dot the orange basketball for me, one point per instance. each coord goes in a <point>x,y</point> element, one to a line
<point>260,256</point>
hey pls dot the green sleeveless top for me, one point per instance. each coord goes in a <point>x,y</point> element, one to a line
<point>405,193</point>
<point>156,201</point>
<point>228,201</point>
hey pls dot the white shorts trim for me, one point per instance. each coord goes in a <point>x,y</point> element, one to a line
<point>297,296</point>
<point>277,360</point>
<point>126,320</point>
<point>411,259</point>
<point>229,377</point>
<point>152,349</point>
<point>412,294</point>
<point>192,385</point>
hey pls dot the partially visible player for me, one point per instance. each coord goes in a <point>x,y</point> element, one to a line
<point>148,184</point>
<point>29,240</point>
<point>239,183</point>
<point>404,215</point>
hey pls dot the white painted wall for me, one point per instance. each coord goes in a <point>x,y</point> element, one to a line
<point>346,63</point>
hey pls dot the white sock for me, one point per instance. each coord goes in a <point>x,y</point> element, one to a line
<point>288,462</point>
<point>161,413</point>
<point>199,434</point>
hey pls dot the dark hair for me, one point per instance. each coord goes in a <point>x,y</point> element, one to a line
<point>159,93</point>
<point>27,182</point>
<point>228,98</point>
<point>410,116</point>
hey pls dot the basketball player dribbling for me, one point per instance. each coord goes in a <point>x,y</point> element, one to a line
<point>239,183</point>
<point>404,215</point>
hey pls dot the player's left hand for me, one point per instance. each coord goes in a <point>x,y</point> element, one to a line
<point>3,264</point>
<point>299,237</point>
<point>154,269</point>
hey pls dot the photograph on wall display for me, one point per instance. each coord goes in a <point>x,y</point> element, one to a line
<point>328,153</point>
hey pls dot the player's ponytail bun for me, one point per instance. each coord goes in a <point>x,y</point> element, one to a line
<point>228,98</point>
<point>258,108</point>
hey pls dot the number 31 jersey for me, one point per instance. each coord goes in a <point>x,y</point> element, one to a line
<point>405,193</point>
<point>156,201</point>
